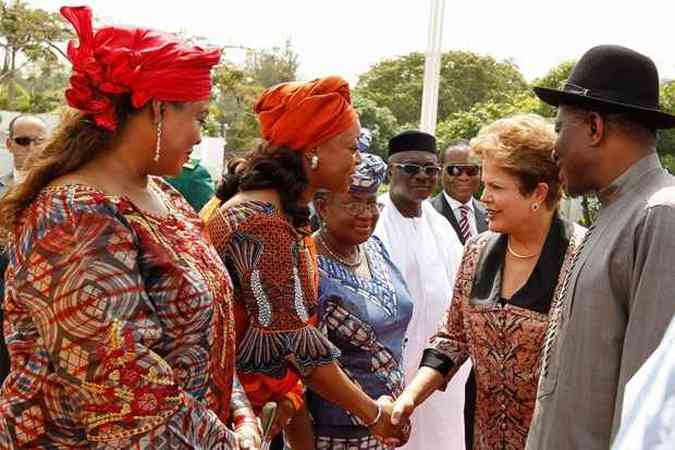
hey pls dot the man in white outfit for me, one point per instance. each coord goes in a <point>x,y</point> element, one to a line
<point>426,249</point>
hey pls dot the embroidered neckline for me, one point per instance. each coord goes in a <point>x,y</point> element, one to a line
<point>120,199</point>
<point>384,294</point>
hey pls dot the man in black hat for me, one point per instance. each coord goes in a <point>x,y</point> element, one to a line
<point>426,249</point>
<point>615,298</point>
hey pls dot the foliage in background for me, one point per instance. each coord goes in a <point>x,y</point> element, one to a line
<point>31,75</point>
<point>474,90</point>
<point>466,79</point>
<point>379,120</point>
<point>236,88</point>
<point>666,142</point>
<point>466,124</point>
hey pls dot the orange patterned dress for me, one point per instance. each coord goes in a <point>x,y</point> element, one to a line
<point>503,338</point>
<point>273,269</point>
<point>118,324</point>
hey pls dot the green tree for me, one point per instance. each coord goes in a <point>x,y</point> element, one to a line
<point>39,88</point>
<point>466,124</point>
<point>466,79</point>
<point>234,95</point>
<point>28,37</point>
<point>554,79</point>
<point>272,66</point>
<point>379,120</point>
<point>666,142</point>
<point>236,89</point>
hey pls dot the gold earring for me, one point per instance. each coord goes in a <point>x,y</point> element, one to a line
<point>314,162</point>
<point>158,140</point>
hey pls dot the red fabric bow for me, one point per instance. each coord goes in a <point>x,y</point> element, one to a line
<point>147,64</point>
<point>301,116</point>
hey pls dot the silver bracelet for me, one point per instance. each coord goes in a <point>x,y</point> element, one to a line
<point>377,417</point>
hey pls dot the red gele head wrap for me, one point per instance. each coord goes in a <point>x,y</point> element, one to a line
<point>147,64</point>
<point>301,116</point>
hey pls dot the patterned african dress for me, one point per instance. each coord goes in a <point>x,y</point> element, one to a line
<point>503,338</point>
<point>118,326</point>
<point>367,319</point>
<point>273,269</point>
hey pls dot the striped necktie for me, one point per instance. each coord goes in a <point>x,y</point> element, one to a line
<point>464,226</point>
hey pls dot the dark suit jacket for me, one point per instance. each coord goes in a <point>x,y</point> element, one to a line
<point>442,206</point>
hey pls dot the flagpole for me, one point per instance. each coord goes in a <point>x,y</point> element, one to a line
<point>432,67</point>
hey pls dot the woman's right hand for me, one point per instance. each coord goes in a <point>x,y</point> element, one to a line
<point>403,409</point>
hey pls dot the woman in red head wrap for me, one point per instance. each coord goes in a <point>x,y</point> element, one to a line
<point>259,224</point>
<point>118,309</point>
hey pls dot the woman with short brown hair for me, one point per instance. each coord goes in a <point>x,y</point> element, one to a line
<point>505,285</point>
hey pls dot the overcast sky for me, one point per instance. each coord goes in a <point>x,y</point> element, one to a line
<point>346,37</point>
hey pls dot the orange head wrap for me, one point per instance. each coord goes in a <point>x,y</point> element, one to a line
<point>147,64</point>
<point>301,116</point>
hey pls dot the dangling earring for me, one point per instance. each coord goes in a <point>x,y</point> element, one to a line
<point>534,206</point>
<point>159,139</point>
<point>314,162</point>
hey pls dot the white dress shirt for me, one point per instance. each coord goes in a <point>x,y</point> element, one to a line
<point>456,205</point>
<point>427,251</point>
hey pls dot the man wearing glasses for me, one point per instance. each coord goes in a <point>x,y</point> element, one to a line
<point>25,134</point>
<point>427,251</point>
<point>461,182</point>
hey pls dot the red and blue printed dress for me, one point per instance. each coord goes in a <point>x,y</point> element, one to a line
<point>119,326</point>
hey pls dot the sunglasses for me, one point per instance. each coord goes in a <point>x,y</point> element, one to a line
<point>455,170</point>
<point>414,169</point>
<point>25,141</point>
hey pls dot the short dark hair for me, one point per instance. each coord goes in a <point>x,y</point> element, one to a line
<point>452,144</point>
<point>10,126</point>
<point>628,122</point>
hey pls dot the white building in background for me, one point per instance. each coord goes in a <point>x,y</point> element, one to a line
<point>211,150</point>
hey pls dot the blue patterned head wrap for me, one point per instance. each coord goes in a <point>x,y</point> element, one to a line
<point>369,174</point>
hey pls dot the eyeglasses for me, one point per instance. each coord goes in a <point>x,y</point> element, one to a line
<point>25,141</point>
<point>414,169</point>
<point>455,170</point>
<point>358,208</point>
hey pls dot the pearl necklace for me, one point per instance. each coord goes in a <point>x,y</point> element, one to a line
<point>517,255</point>
<point>335,256</point>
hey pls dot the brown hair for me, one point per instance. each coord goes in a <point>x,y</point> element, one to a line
<point>76,141</point>
<point>522,145</point>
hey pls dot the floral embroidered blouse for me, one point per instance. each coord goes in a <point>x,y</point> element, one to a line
<point>118,324</point>
<point>273,269</point>
<point>503,338</point>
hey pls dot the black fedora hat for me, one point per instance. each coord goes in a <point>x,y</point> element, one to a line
<point>611,78</point>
